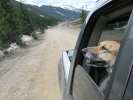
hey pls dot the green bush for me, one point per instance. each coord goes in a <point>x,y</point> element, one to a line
<point>16,21</point>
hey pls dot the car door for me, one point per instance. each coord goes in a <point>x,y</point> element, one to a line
<point>82,86</point>
<point>128,95</point>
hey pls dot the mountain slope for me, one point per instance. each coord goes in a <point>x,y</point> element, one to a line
<point>61,14</point>
<point>17,19</point>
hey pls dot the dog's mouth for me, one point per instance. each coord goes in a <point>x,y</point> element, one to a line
<point>93,59</point>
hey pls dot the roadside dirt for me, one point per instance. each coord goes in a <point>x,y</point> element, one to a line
<point>32,73</point>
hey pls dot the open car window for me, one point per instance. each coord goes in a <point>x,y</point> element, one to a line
<point>99,59</point>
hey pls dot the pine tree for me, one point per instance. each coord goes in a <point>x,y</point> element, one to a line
<point>24,20</point>
<point>83,15</point>
<point>7,23</point>
<point>18,20</point>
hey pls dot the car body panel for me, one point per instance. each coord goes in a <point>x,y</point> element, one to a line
<point>84,88</point>
<point>61,76</point>
<point>66,63</point>
<point>64,68</point>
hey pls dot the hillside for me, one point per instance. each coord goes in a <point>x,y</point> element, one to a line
<point>60,14</point>
<point>17,19</point>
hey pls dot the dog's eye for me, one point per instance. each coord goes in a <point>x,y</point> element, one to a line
<point>103,48</point>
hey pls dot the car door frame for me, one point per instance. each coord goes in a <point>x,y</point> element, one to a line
<point>83,42</point>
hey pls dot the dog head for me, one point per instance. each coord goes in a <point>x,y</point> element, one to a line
<point>106,50</point>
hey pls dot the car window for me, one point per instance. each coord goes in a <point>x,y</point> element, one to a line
<point>99,59</point>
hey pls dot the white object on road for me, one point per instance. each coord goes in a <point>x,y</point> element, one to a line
<point>12,48</point>
<point>26,39</point>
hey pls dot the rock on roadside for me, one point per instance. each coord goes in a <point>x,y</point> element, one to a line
<point>1,55</point>
<point>12,48</point>
<point>26,39</point>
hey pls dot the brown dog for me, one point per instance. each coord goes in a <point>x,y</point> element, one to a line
<point>106,50</point>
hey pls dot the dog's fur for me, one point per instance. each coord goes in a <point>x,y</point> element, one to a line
<point>108,55</point>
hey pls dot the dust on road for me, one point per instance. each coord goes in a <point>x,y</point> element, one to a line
<point>33,75</point>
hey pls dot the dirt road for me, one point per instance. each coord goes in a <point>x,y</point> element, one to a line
<point>32,74</point>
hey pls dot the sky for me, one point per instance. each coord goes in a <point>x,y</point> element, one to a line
<point>85,4</point>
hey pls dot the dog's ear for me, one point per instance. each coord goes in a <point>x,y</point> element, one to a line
<point>115,52</point>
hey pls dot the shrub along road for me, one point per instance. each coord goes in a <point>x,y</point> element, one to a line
<point>32,74</point>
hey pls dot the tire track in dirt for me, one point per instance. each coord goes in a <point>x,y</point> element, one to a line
<point>34,76</point>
